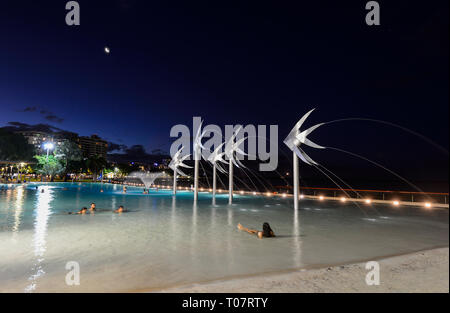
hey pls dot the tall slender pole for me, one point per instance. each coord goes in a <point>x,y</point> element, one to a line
<point>175,181</point>
<point>230,182</point>
<point>47,154</point>
<point>214,181</point>
<point>295,177</point>
<point>196,179</point>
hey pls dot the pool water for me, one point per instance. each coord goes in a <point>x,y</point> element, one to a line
<point>165,241</point>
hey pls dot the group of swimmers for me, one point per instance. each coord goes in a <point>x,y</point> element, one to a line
<point>92,210</point>
<point>265,233</point>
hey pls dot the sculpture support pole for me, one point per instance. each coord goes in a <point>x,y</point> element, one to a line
<point>196,179</point>
<point>295,177</point>
<point>214,181</point>
<point>230,183</point>
<point>175,182</point>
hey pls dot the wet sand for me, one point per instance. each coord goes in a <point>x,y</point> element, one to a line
<point>425,271</point>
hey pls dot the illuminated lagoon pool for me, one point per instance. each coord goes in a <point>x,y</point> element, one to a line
<point>165,241</point>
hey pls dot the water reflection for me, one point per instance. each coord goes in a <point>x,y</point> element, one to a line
<point>43,213</point>
<point>18,208</point>
<point>194,230</point>
<point>230,215</point>
<point>173,214</point>
<point>213,217</point>
<point>229,244</point>
<point>194,217</point>
<point>297,240</point>
<point>113,203</point>
<point>9,193</point>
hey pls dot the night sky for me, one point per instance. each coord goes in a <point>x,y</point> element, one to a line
<point>233,62</point>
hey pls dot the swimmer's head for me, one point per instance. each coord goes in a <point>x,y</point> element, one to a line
<point>267,231</point>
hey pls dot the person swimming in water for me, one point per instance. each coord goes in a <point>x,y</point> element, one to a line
<point>266,232</point>
<point>119,210</point>
<point>92,208</point>
<point>82,211</point>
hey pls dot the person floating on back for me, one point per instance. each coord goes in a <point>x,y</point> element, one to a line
<point>266,232</point>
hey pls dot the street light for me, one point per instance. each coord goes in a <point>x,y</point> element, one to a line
<point>48,146</point>
<point>22,164</point>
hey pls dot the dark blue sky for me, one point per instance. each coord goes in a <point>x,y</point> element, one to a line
<point>231,62</point>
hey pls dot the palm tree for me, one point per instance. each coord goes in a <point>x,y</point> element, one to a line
<point>294,140</point>
<point>95,164</point>
<point>69,154</point>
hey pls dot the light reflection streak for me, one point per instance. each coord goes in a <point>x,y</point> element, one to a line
<point>173,219</point>
<point>212,241</point>
<point>113,203</point>
<point>19,209</point>
<point>229,244</point>
<point>43,213</point>
<point>194,230</point>
<point>230,216</point>
<point>297,241</point>
<point>8,198</point>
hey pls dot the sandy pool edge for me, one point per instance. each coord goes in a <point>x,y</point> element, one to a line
<point>423,271</point>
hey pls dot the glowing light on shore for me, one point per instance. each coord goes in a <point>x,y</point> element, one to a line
<point>254,193</point>
<point>302,196</point>
<point>343,199</point>
<point>427,205</point>
<point>321,198</point>
<point>396,203</point>
<point>268,194</point>
<point>368,201</point>
<point>283,195</point>
<point>241,192</point>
